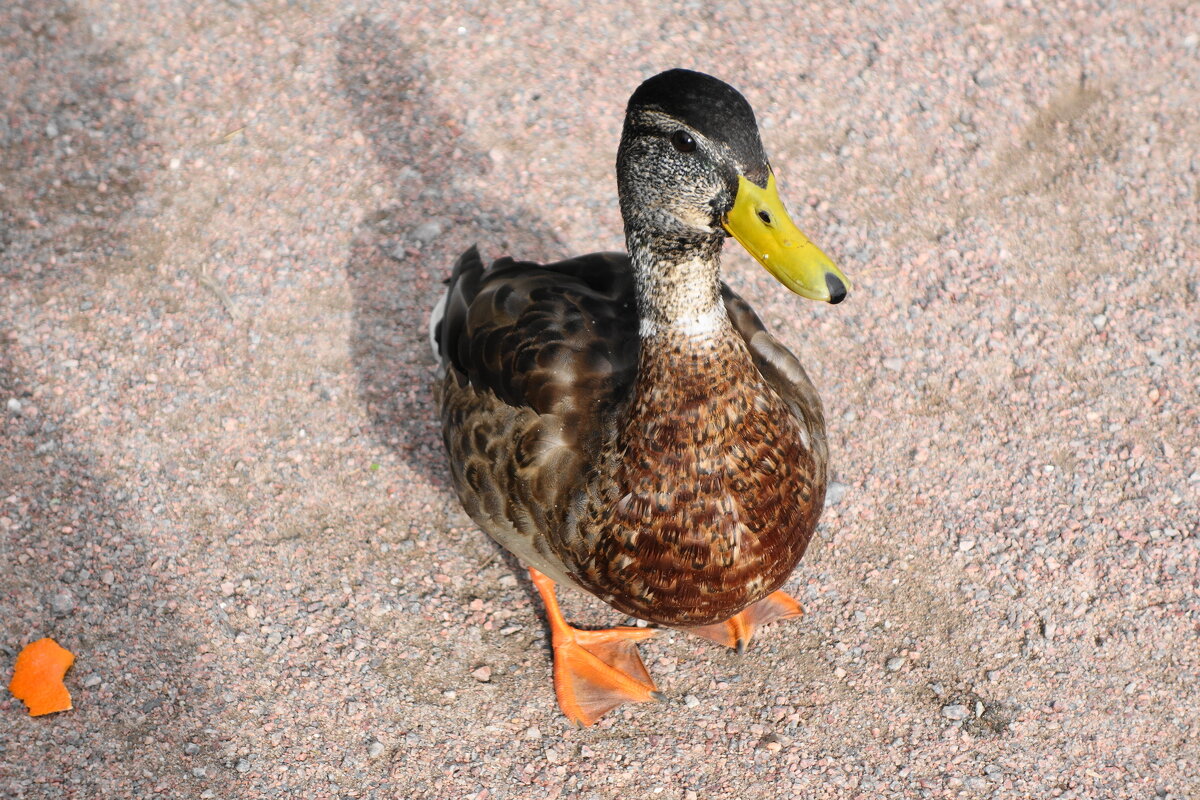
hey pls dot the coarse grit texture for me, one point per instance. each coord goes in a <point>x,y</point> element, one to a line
<point>222,225</point>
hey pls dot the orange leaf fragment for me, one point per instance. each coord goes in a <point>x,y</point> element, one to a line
<point>38,677</point>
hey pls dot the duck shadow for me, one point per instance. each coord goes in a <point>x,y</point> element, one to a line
<point>404,250</point>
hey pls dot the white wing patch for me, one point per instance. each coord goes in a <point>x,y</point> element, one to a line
<point>435,319</point>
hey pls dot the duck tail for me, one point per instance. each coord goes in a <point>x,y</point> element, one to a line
<point>449,314</point>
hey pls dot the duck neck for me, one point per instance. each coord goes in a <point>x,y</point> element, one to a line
<point>678,287</point>
<point>695,377</point>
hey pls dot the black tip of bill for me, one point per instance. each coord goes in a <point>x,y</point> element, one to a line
<point>837,289</point>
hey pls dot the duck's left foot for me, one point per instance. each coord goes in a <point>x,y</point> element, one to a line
<point>738,630</point>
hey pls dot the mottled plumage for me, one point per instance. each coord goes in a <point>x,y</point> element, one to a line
<point>625,424</point>
<point>679,482</point>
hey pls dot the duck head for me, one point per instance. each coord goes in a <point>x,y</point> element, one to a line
<point>691,168</point>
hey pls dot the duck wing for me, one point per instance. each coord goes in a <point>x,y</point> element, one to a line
<point>558,338</point>
<point>536,362</point>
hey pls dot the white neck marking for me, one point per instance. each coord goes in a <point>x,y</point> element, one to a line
<point>701,325</point>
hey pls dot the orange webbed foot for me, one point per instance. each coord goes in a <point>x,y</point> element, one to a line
<point>738,630</point>
<point>594,671</point>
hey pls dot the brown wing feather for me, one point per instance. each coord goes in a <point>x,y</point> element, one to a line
<point>557,338</point>
<point>536,363</point>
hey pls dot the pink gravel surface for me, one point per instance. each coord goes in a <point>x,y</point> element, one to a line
<point>221,483</point>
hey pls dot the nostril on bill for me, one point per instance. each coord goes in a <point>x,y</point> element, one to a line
<point>837,289</point>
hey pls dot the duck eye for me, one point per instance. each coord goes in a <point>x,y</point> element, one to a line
<point>683,141</point>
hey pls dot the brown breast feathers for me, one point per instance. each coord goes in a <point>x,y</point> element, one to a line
<point>714,492</point>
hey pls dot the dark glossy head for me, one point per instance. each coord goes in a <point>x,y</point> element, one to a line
<point>709,107</point>
<point>687,138</point>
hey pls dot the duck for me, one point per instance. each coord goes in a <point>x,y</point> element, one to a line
<point>624,423</point>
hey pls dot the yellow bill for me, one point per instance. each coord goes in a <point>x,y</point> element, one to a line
<point>761,224</point>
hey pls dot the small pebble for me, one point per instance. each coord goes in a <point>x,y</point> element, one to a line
<point>894,364</point>
<point>483,674</point>
<point>533,732</point>
<point>426,232</point>
<point>834,493</point>
<point>62,603</point>
<point>92,680</point>
<point>955,711</point>
<point>243,765</point>
<point>191,749</point>
<point>690,701</point>
<point>984,78</point>
<point>375,749</point>
<point>13,405</point>
<point>895,663</point>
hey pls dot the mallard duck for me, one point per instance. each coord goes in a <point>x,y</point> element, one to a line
<point>624,424</point>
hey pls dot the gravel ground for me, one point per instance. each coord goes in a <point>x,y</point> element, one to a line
<point>221,485</point>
